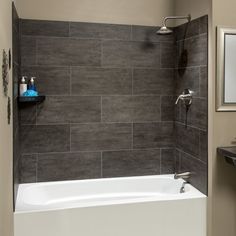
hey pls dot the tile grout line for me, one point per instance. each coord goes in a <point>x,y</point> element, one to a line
<point>101,51</point>
<point>199,79</point>
<point>131,32</point>
<point>36,168</point>
<point>191,155</point>
<point>36,51</point>
<point>101,98</point>
<point>105,67</point>
<point>69,30</point>
<point>160,108</point>
<point>106,122</point>
<point>160,161</point>
<point>70,137</point>
<point>199,144</point>
<point>98,151</point>
<point>132,136</point>
<point>70,81</point>
<point>95,39</point>
<point>132,81</point>
<point>160,56</point>
<point>101,153</point>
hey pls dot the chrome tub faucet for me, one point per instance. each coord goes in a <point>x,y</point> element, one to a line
<point>185,176</point>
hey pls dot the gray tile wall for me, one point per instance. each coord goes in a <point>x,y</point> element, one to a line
<point>16,74</point>
<point>108,110</point>
<point>192,141</point>
<point>110,91</point>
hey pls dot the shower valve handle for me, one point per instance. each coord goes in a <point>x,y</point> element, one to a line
<point>186,96</point>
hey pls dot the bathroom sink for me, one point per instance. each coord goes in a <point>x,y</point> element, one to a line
<point>229,153</point>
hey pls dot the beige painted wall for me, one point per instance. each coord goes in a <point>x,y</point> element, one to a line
<point>140,12</point>
<point>6,215</point>
<point>223,176</point>
<point>222,126</point>
<point>195,8</point>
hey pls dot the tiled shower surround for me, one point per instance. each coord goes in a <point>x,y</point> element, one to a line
<point>109,108</point>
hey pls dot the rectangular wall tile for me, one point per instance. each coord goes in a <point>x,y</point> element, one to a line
<point>149,81</point>
<point>27,114</point>
<point>130,54</point>
<point>177,160</point>
<point>101,81</point>
<point>187,78</point>
<point>204,146</point>
<point>168,50</point>
<point>197,113</point>
<point>16,45</point>
<point>196,53</point>
<point>153,135</point>
<point>168,161</point>
<point>15,19</point>
<point>203,21</point>
<point>69,109</point>
<point>100,31</point>
<point>45,138</point>
<point>45,28</point>
<point>28,168</point>
<point>203,82</point>
<point>68,166</point>
<point>28,51</point>
<point>187,139</point>
<point>198,170</point>
<point>167,108</point>
<point>68,51</point>
<point>131,163</point>
<point>16,160</point>
<point>187,30</point>
<point>15,79</point>
<point>85,137</point>
<point>49,80</point>
<point>130,108</point>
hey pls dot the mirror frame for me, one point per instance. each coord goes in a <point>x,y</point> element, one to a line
<point>220,104</point>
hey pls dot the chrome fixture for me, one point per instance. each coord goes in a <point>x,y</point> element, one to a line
<point>165,30</point>
<point>185,175</point>
<point>186,96</point>
<point>182,189</point>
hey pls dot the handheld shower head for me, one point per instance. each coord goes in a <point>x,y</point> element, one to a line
<point>164,30</point>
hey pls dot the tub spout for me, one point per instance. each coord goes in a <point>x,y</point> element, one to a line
<point>185,175</point>
<point>182,189</point>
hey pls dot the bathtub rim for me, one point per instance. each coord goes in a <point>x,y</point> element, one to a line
<point>193,194</point>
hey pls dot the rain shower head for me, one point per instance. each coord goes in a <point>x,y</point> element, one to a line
<point>164,30</point>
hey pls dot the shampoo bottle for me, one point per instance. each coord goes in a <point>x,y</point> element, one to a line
<point>23,85</point>
<point>32,84</point>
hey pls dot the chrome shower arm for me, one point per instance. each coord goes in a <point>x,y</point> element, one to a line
<point>188,17</point>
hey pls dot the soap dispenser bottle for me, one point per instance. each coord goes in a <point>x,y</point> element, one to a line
<point>23,85</point>
<point>32,84</point>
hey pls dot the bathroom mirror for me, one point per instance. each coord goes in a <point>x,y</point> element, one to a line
<point>226,69</point>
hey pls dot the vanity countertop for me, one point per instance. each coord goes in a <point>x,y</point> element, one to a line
<point>229,153</point>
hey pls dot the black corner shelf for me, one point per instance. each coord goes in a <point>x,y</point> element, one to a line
<point>29,100</point>
<point>229,153</point>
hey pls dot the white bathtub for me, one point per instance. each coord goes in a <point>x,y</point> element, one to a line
<point>134,206</point>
